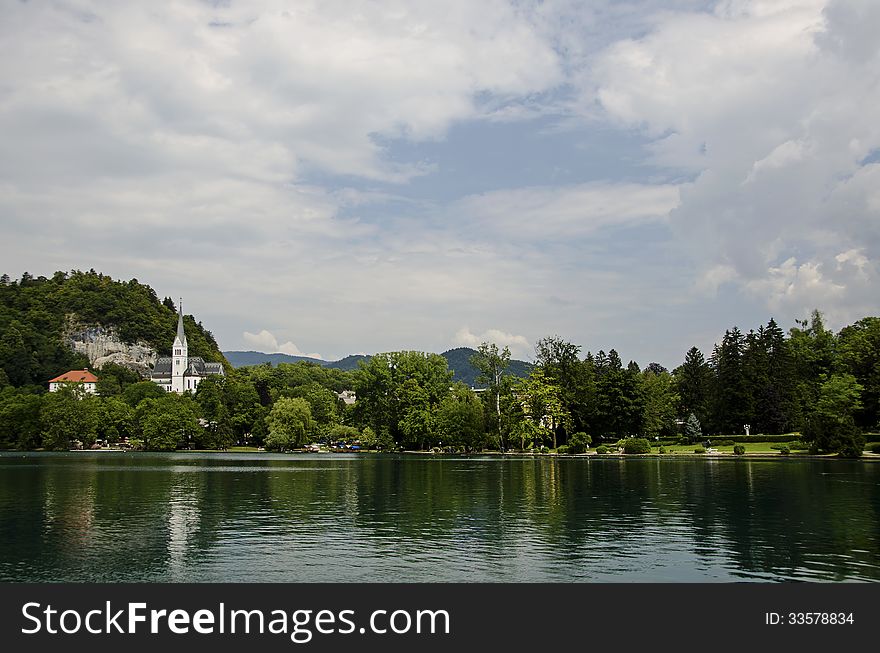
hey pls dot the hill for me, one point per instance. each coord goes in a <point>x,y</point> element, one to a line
<point>458,360</point>
<point>51,325</point>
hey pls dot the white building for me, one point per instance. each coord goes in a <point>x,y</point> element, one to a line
<point>82,380</point>
<point>179,372</point>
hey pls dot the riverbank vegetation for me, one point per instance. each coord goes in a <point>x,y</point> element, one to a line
<point>821,388</point>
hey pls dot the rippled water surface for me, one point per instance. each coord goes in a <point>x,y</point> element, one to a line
<point>261,517</point>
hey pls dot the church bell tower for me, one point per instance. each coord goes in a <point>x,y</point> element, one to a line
<point>179,355</point>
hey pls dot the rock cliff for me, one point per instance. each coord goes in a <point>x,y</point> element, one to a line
<point>103,345</point>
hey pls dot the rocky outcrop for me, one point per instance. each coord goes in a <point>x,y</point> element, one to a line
<point>102,345</point>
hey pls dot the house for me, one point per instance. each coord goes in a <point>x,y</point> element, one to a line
<point>180,372</point>
<point>81,379</point>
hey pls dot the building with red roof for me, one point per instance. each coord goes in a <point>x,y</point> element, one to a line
<point>82,379</point>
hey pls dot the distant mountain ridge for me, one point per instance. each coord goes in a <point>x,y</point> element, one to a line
<point>458,360</point>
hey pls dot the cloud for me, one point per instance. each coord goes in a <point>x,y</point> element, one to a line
<point>565,211</point>
<point>765,104</point>
<point>519,345</point>
<point>269,344</point>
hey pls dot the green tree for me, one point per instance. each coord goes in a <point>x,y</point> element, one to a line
<point>68,415</point>
<point>211,397</point>
<point>660,401</point>
<point>831,427</point>
<point>168,422</point>
<point>290,423</point>
<point>492,364</point>
<point>858,346</point>
<point>693,380</point>
<point>116,419</point>
<point>20,426</point>
<point>542,403</point>
<point>692,429</point>
<point>137,392</point>
<point>459,420</point>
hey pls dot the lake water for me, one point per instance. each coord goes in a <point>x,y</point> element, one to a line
<point>327,517</point>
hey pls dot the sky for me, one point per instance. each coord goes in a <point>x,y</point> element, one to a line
<point>332,177</point>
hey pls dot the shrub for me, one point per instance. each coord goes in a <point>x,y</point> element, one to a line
<point>564,449</point>
<point>579,442</point>
<point>636,445</point>
<point>700,450</point>
<point>738,450</point>
<point>875,448</point>
<point>601,449</point>
<point>662,450</point>
<point>784,450</point>
<point>724,443</point>
<point>797,445</point>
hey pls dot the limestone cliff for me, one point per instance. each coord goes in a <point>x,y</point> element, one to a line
<point>103,345</point>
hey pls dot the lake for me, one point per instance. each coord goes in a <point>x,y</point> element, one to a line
<point>108,516</point>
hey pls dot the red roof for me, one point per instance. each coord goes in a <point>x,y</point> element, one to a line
<point>75,376</point>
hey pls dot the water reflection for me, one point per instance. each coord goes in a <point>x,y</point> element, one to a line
<point>178,517</point>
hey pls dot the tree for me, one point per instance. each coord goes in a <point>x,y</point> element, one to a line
<point>731,402</point>
<point>692,429</point>
<point>116,419</point>
<point>620,404</point>
<point>660,400</point>
<point>212,401</point>
<point>20,425</point>
<point>459,420</point>
<point>398,392</point>
<point>68,415</point>
<point>137,392</point>
<point>858,346</point>
<point>492,365</point>
<point>168,422</point>
<point>290,423</point>
<point>542,404</point>
<point>831,427</point>
<point>323,402</point>
<point>693,380</point>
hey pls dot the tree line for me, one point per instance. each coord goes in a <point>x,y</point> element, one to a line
<point>821,384</point>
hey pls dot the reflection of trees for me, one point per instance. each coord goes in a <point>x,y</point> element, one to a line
<point>140,517</point>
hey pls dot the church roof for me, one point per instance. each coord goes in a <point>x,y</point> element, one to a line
<point>196,366</point>
<point>180,334</point>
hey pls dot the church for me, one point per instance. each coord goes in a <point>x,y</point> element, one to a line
<point>181,373</point>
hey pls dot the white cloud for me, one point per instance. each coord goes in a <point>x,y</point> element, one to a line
<point>766,103</point>
<point>269,344</point>
<point>565,211</point>
<point>519,345</point>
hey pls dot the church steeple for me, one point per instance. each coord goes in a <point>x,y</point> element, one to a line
<point>181,336</point>
<point>180,358</point>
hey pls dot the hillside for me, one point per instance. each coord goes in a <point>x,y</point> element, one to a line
<point>41,319</point>
<point>458,360</point>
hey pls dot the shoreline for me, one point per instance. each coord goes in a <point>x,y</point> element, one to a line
<point>866,457</point>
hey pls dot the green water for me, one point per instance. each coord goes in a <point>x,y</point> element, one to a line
<point>325,517</point>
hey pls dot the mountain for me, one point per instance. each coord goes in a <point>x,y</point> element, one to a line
<point>51,325</point>
<point>458,360</point>
<point>248,358</point>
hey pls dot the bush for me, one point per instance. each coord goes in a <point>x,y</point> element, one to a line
<point>875,448</point>
<point>700,450</point>
<point>724,443</point>
<point>636,445</point>
<point>563,449</point>
<point>738,450</point>
<point>784,450</point>
<point>579,442</point>
<point>601,449</point>
<point>662,450</point>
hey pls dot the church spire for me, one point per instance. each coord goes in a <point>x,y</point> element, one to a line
<point>181,336</point>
